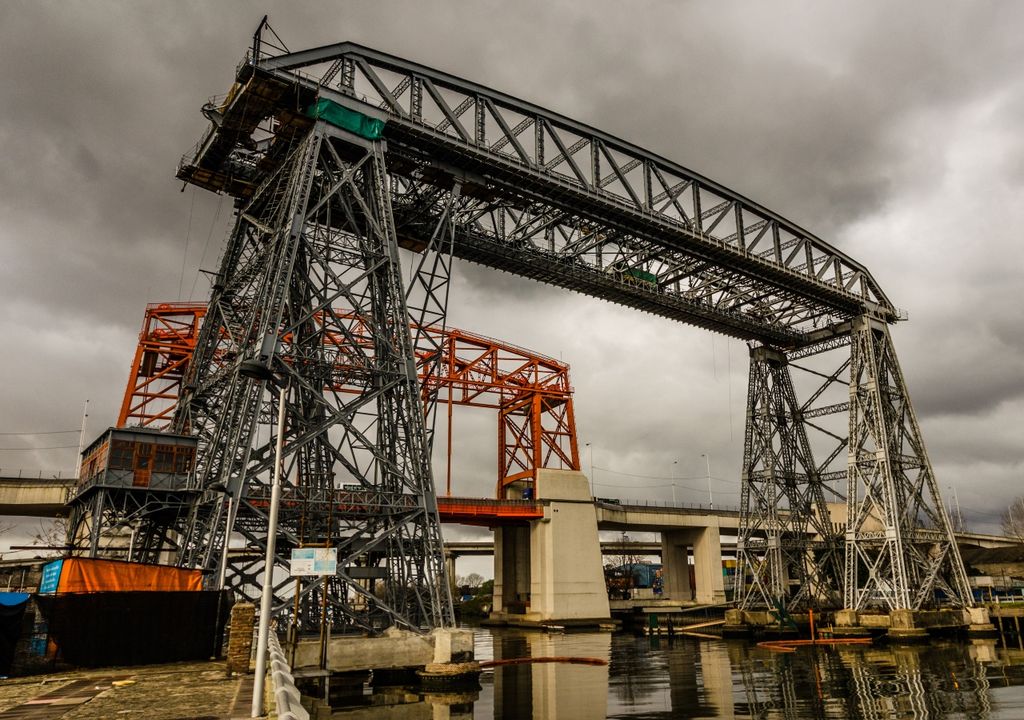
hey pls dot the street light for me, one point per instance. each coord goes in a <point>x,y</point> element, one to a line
<point>959,515</point>
<point>229,525</point>
<point>711,498</point>
<point>591,449</point>
<point>674,463</point>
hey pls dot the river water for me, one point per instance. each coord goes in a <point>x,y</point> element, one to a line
<point>654,678</point>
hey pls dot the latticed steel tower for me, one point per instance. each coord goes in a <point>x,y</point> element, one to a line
<point>314,254</point>
<point>897,549</point>
<point>786,542</point>
<point>898,531</point>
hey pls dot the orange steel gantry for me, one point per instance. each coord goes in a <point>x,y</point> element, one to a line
<point>531,392</point>
<point>166,343</point>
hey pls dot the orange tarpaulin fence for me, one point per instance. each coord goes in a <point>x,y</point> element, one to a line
<point>82,575</point>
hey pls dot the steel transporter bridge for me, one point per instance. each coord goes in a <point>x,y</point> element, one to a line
<point>346,162</point>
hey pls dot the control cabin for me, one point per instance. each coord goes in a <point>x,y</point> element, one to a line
<point>139,458</point>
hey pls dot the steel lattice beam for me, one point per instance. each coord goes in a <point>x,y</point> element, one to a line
<point>900,547</point>
<point>166,343</point>
<point>787,553</point>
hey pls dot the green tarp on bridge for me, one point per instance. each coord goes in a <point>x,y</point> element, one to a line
<point>347,119</point>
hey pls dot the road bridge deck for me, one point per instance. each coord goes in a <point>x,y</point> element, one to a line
<point>33,497</point>
<point>46,497</point>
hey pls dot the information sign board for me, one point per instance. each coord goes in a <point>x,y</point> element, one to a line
<point>314,561</point>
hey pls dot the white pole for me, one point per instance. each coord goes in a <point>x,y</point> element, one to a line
<point>711,498</point>
<point>268,569</point>
<point>81,441</point>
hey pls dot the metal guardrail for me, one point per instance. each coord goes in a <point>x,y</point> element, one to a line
<point>61,475</point>
<point>286,695</point>
<point>624,504</point>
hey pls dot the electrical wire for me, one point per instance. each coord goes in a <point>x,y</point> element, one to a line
<point>663,477</point>
<point>638,487</point>
<point>188,234</point>
<point>56,447</point>
<point>45,432</point>
<point>209,236</point>
<point>677,485</point>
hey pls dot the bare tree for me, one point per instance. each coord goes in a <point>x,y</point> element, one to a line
<point>52,534</point>
<point>473,581</point>
<point>4,529</point>
<point>1013,520</point>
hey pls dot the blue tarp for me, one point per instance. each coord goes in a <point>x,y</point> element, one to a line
<point>12,610</point>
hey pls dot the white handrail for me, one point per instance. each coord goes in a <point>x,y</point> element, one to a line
<point>286,696</point>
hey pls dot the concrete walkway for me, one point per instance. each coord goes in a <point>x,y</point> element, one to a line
<point>152,692</point>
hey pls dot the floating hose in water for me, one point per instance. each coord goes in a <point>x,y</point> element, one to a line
<point>527,660</point>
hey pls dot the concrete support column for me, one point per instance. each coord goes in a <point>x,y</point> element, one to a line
<point>675,563</point>
<point>449,570</point>
<point>567,579</point>
<point>511,569</point>
<point>551,571</point>
<point>707,560</point>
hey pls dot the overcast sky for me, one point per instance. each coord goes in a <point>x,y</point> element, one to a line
<point>891,130</point>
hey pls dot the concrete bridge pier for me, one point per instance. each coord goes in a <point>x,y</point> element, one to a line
<point>551,571</point>
<point>450,574</point>
<point>512,565</point>
<point>707,560</point>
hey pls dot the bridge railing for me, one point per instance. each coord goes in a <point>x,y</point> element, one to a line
<point>668,505</point>
<point>22,474</point>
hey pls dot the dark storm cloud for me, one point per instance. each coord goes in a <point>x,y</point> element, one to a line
<point>890,130</point>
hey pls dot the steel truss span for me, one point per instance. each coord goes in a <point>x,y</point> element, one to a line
<point>551,198</point>
<point>786,548</point>
<point>339,156</point>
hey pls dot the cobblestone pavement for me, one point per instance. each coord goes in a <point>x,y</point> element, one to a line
<point>152,692</point>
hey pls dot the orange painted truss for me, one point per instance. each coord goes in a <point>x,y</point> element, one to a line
<point>487,513</point>
<point>532,393</point>
<point>166,343</point>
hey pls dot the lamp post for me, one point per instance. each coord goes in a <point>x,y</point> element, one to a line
<point>590,448</point>
<point>674,463</point>
<point>81,441</point>
<point>711,498</point>
<point>959,515</point>
<point>268,567</point>
<point>222,572</point>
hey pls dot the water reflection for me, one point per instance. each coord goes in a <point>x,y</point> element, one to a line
<point>655,678</point>
<point>853,682</point>
<point>551,690</point>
